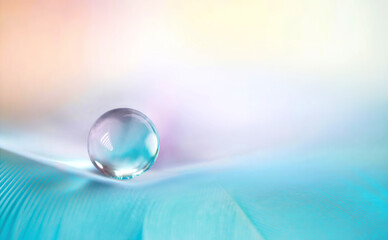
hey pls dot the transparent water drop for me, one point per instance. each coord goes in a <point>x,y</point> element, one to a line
<point>123,143</point>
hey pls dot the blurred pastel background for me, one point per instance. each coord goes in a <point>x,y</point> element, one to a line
<point>235,84</point>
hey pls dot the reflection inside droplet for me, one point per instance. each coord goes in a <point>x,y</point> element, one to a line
<point>123,143</point>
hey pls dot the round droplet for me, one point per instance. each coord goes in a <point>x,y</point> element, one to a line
<point>123,143</point>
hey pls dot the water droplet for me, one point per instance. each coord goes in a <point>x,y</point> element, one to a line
<point>123,143</point>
